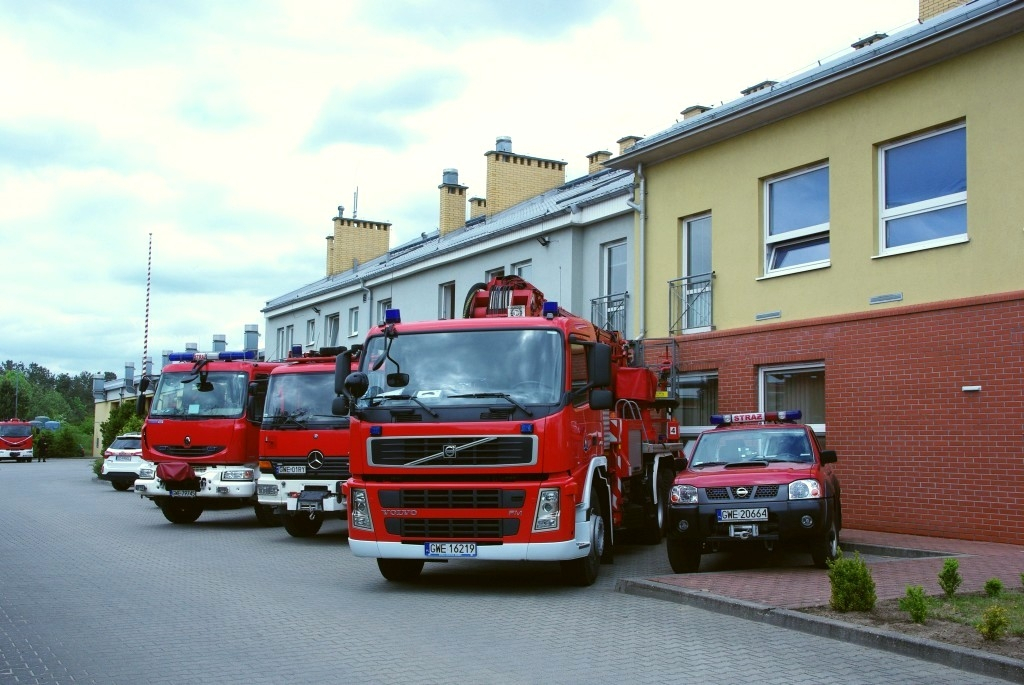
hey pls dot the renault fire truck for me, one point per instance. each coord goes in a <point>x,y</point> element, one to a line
<point>303,446</point>
<point>201,437</point>
<point>519,432</point>
<point>16,440</point>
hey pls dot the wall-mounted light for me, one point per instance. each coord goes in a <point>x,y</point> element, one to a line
<point>315,309</point>
<point>543,240</point>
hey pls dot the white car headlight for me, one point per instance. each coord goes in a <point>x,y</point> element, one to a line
<point>805,489</point>
<point>682,494</point>
<point>238,474</point>
<point>548,509</point>
<point>359,507</point>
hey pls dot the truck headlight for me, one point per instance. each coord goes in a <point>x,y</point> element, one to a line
<point>548,509</point>
<point>682,494</point>
<point>147,472</point>
<point>359,509</point>
<point>238,474</point>
<point>805,489</point>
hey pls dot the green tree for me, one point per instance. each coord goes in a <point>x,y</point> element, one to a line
<point>119,421</point>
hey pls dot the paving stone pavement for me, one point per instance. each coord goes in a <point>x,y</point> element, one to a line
<point>97,587</point>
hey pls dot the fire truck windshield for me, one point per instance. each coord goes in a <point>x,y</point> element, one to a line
<point>460,367</point>
<point>15,430</point>
<point>219,394</point>
<point>298,400</point>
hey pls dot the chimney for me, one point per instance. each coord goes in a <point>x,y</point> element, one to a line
<point>693,110</point>
<point>763,85</point>
<point>628,142</point>
<point>477,207</point>
<point>165,358</point>
<point>513,178</point>
<point>220,342</point>
<point>252,337</point>
<point>453,202</point>
<point>596,160</point>
<point>147,366</point>
<point>98,381</point>
<point>926,9</point>
<point>129,376</point>
<point>191,347</point>
<point>354,242</point>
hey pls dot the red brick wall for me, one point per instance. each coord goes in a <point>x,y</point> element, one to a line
<point>917,454</point>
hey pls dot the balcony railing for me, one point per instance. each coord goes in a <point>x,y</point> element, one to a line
<point>609,312</point>
<point>689,303</point>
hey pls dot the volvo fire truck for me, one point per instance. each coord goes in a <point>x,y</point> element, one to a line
<point>303,445</point>
<point>201,437</point>
<point>16,440</point>
<point>519,432</point>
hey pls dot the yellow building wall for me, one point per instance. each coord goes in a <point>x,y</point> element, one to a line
<point>726,180</point>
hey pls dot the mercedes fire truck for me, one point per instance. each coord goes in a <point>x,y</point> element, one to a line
<point>519,432</point>
<point>201,437</point>
<point>303,446</point>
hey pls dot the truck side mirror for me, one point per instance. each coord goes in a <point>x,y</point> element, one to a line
<point>140,404</point>
<point>340,406</point>
<point>601,399</point>
<point>599,366</point>
<point>829,457</point>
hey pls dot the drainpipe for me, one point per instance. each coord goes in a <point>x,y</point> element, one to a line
<point>641,209</point>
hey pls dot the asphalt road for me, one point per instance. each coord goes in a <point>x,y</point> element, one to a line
<point>97,587</point>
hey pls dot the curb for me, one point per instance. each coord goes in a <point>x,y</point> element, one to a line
<point>970,660</point>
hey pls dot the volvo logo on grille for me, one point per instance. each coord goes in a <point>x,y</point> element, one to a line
<point>449,452</point>
<point>742,491</point>
<point>188,441</point>
<point>315,459</point>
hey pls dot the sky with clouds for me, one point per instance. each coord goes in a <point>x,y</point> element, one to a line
<point>203,146</point>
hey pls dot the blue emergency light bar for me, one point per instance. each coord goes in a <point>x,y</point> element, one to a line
<point>756,417</point>
<point>549,310</point>
<point>392,316</point>
<point>211,356</point>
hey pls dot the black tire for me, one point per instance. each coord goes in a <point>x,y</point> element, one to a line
<point>583,571</point>
<point>684,557</point>
<point>400,570</point>
<point>181,511</point>
<point>827,548</point>
<point>120,485</point>
<point>266,516</point>
<point>656,522</point>
<point>299,525</point>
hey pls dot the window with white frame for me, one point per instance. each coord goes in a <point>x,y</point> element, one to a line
<point>494,273</point>
<point>281,346</point>
<point>923,191</point>
<point>523,269</point>
<point>382,307</point>
<point>353,321</point>
<point>799,386</point>
<point>446,300</point>
<point>797,221</point>
<point>331,324</point>
<point>311,331</point>
<point>614,271</point>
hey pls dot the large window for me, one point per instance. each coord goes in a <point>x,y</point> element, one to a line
<point>332,323</point>
<point>446,301</point>
<point>614,268</point>
<point>795,387</point>
<point>924,191</point>
<point>311,332</point>
<point>697,394</point>
<point>524,270</point>
<point>797,221</point>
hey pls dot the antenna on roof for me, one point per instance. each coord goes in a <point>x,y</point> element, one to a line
<point>355,203</point>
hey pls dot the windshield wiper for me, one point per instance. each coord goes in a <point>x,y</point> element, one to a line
<point>500,395</point>
<point>427,409</point>
<point>291,418</point>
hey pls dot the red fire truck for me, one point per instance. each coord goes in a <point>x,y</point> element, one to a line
<point>520,432</point>
<point>201,437</point>
<point>16,440</point>
<point>303,446</point>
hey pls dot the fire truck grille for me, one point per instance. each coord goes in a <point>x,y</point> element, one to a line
<point>457,451</point>
<point>485,498</point>
<point>451,529</point>
<point>334,468</point>
<point>735,492</point>
<point>182,451</point>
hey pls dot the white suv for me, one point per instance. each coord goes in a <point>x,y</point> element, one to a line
<point>122,461</point>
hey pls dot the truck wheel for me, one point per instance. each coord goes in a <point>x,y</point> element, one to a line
<point>683,556</point>
<point>400,570</point>
<point>583,571</point>
<point>657,515</point>
<point>181,512</point>
<point>266,516</point>
<point>301,526</point>
<point>120,485</point>
<point>826,549</point>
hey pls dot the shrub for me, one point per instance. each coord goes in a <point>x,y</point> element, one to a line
<point>914,604</point>
<point>853,588</point>
<point>950,579</point>
<point>994,623</point>
<point>97,466</point>
<point>993,587</point>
